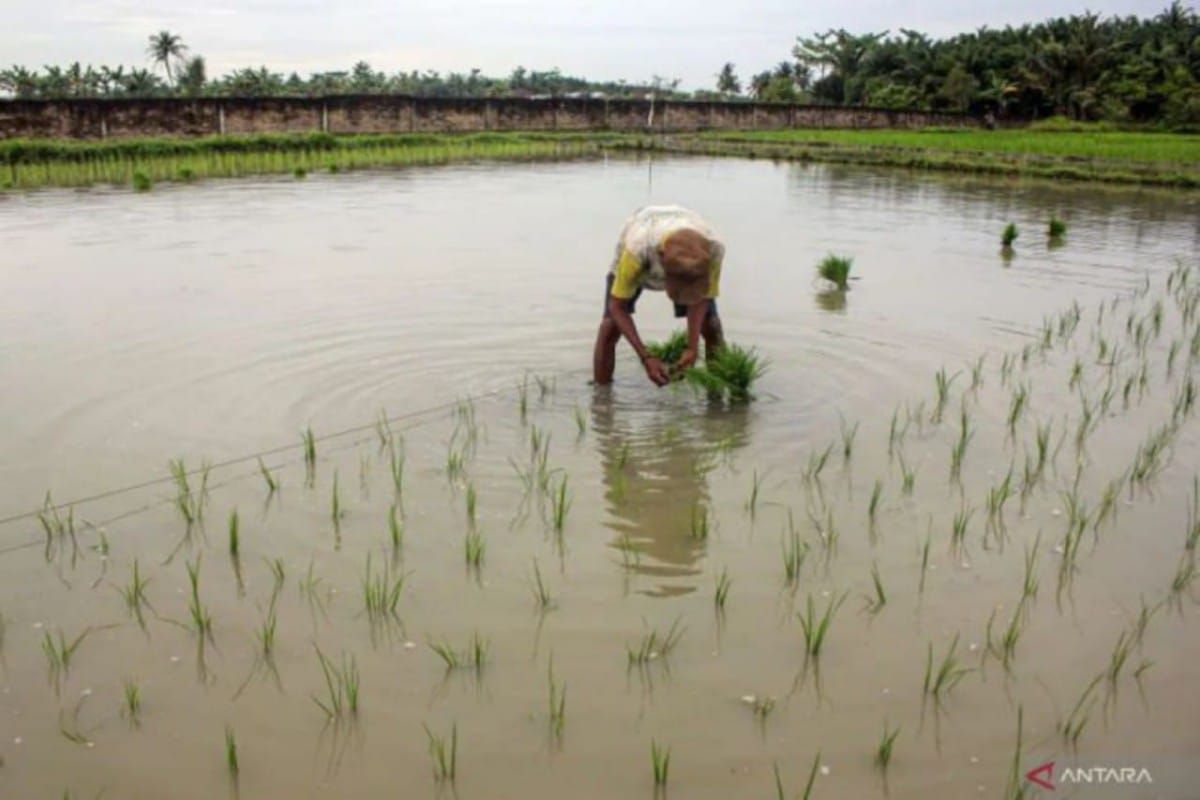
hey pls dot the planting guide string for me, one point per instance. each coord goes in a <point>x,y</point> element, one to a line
<point>246,458</point>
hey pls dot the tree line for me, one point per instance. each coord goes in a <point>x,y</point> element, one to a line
<point>1082,66</point>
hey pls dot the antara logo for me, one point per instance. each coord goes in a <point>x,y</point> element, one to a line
<point>1043,775</point>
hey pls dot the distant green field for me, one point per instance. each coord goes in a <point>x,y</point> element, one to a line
<point>1102,145</point>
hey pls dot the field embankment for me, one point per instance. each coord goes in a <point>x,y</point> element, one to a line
<point>1125,157</point>
<point>1152,158</point>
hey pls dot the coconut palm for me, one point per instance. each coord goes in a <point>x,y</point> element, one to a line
<point>164,48</point>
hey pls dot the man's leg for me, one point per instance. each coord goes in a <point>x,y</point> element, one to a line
<point>713,333</point>
<point>604,355</point>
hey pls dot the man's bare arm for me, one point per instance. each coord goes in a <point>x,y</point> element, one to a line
<point>655,369</point>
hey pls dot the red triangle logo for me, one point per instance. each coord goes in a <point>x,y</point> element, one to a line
<point>1043,775</point>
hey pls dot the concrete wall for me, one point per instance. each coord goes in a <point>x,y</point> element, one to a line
<point>344,114</point>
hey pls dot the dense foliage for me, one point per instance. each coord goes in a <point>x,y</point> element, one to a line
<point>1083,67</point>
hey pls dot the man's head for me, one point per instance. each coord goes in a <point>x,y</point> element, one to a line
<point>686,255</point>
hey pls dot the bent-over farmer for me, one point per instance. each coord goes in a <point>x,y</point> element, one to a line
<point>662,248</point>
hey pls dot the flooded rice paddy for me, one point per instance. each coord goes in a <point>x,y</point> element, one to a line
<point>483,576</point>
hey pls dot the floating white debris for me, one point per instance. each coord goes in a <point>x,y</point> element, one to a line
<point>1056,512</point>
<point>824,770</point>
<point>409,645</point>
<point>974,759</point>
<point>17,740</point>
<point>85,693</point>
<point>749,699</point>
<point>174,659</point>
<point>887,690</point>
<point>37,626</point>
<point>973,646</point>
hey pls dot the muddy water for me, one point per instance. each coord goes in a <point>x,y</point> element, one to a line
<point>212,322</point>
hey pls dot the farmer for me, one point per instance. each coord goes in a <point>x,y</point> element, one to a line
<point>662,248</point>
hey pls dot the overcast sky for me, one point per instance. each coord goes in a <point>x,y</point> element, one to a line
<point>630,40</point>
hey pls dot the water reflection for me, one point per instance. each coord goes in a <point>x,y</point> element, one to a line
<point>833,300</point>
<point>656,460</point>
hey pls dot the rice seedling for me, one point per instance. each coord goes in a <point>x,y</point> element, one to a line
<point>310,454</point>
<point>523,397</point>
<point>341,686</point>
<point>1118,658</point>
<point>848,434</point>
<point>654,645</point>
<point>266,633</point>
<point>752,502</point>
<point>816,463</point>
<point>396,468</point>
<point>1029,586</point>
<point>580,423</point>
<point>836,270</point>
<point>1005,648</point>
<point>187,504</point>
<point>60,653</point>
<point>730,371</point>
<point>231,752</point>
<point>721,592</point>
<point>938,684</point>
<point>1006,367</point>
<point>395,529</point>
<point>908,477</point>
<point>546,386</point>
<point>942,383</point>
<point>134,592</point>
<point>876,603</point>
<point>234,539</point>
<point>1185,574</point>
<point>827,531</point>
<point>660,761</point>
<point>381,591</point>
<point>1016,407</point>
<point>883,751</point>
<point>997,496</point>
<point>299,173</point>
<point>1141,670</point>
<point>873,503</point>
<point>1145,614</point>
<point>958,452</point>
<point>808,786</point>
<point>444,754</point>
<point>474,547</point>
<point>201,619</point>
<point>816,627</point>
<point>474,655</point>
<point>471,502</point>
<point>1072,726</point>
<point>958,528</point>
<point>1009,235</point>
<point>895,433</point>
<point>1014,790</point>
<point>142,182</point>
<point>131,703</point>
<point>699,529</point>
<point>924,561</point>
<point>541,592</point>
<point>3,631</point>
<point>977,372</point>
<point>1076,374</point>
<point>557,702</point>
<point>560,504</point>
<point>794,553</point>
<point>272,483</point>
<point>336,512</point>
<point>1056,229</point>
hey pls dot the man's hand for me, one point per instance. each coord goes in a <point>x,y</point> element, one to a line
<point>656,371</point>
<point>687,360</point>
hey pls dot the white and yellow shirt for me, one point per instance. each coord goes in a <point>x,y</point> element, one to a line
<point>636,264</point>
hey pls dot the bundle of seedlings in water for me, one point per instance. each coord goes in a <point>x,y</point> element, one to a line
<point>1009,236</point>
<point>729,371</point>
<point>1057,228</point>
<point>836,270</point>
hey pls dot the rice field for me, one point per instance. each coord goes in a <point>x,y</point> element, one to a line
<point>915,563</point>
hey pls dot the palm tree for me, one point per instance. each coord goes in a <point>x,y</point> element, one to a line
<point>165,46</point>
